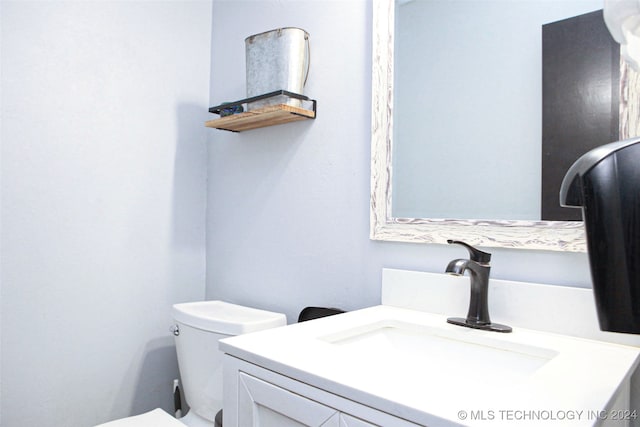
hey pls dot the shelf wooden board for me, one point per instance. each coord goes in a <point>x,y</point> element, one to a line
<point>262,117</point>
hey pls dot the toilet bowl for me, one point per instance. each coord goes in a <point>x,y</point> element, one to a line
<point>155,418</point>
<point>199,327</point>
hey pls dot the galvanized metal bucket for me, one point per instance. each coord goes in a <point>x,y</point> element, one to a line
<point>277,60</point>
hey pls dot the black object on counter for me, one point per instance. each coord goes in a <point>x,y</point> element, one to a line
<point>605,183</point>
<point>310,313</point>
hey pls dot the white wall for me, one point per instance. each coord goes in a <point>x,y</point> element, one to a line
<point>103,203</point>
<point>288,206</point>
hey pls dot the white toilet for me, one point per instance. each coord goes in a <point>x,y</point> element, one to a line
<point>199,326</point>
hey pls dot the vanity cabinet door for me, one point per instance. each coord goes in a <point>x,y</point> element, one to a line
<point>262,404</point>
<point>349,421</point>
<point>259,397</point>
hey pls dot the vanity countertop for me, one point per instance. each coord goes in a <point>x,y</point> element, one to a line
<point>474,377</point>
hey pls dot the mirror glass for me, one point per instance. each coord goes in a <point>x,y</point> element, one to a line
<point>456,122</point>
<point>467,109</point>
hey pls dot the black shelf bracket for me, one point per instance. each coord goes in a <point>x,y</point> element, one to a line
<point>218,108</point>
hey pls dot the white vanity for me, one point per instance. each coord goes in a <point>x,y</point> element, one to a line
<point>401,364</point>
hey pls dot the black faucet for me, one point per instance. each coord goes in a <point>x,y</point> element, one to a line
<point>478,267</point>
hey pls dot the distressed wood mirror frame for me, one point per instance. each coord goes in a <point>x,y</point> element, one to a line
<point>537,235</point>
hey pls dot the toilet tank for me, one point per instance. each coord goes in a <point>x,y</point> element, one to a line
<point>200,326</point>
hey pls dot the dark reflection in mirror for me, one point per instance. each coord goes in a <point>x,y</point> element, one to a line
<point>580,100</point>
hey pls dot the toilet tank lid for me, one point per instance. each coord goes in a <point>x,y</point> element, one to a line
<point>226,318</point>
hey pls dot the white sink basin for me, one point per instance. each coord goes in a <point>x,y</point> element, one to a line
<point>416,366</point>
<point>453,356</point>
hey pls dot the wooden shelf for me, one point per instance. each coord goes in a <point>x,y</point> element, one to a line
<point>271,115</point>
<point>262,117</point>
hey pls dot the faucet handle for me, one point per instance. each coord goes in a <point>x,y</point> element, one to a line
<point>475,254</point>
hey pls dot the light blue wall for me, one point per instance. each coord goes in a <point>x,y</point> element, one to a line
<point>103,203</point>
<point>288,206</point>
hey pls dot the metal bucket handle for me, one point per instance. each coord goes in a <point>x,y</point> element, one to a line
<point>308,58</point>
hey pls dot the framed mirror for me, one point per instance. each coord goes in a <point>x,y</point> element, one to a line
<point>511,233</point>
